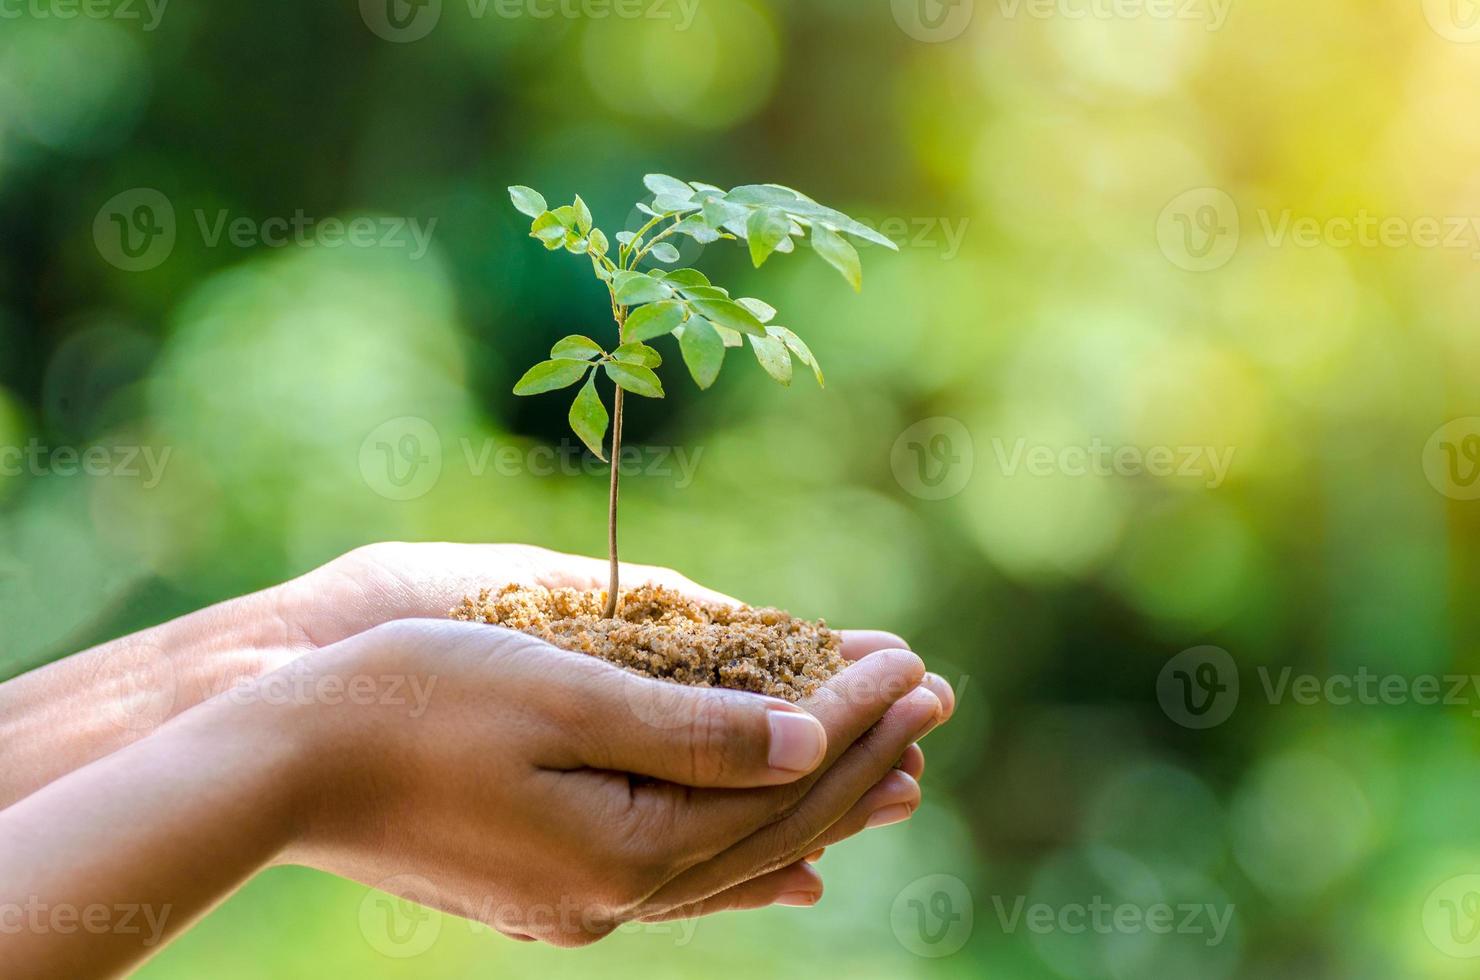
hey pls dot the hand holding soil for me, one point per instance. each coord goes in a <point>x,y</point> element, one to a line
<point>548,793</point>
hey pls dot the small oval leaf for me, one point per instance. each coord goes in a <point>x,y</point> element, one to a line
<point>635,378</point>
<point>550,375</point>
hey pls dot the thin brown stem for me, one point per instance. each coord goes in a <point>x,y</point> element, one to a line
<point>611,514</point>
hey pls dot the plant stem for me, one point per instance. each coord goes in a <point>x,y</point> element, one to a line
<point>611,514</point>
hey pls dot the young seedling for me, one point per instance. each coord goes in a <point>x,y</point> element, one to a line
<point>649,304</point>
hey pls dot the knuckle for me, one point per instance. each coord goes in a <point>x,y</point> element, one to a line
<point>711,748</point>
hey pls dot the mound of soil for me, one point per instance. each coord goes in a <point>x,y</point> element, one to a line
<point>661,633</point>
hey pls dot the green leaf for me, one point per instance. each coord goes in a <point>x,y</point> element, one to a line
<point>583,215</point>
<point>653,320</point>
<point>576,245</point>
<point>674,205</point>
<point>703,350</point>
<point>638,353</point>
<point>663,185</point>
<point>588,418</point>
<point>599,244</point>
<point>765,229</point>
<point>635,378</point>
<point>727,313</point>
<point>814,213</point>
<point>625,237</point>
<point>550,375</point>
<point>763,311</point>
<point>664,252</point>
<point>632,288</point>
<point>799,347</point>
<point>698,229</point>
<point>705,292</point>
<point>566,215</point>
<point>772,355</point>
<point>548,229</point>
<point>528,200</point>
<point>719,212</point>
<point>686,277</point>
<point>575,346</point>
<point>839,254</point>
<point>767,194</point>
<point>731,338</point>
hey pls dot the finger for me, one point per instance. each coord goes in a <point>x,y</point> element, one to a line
<point>691,736</point>
<point>942,689</point>
<point>832,798</point>
<point>912,762</point>
<point>846,706</point>
<point>797,885</point>
<point>894,799</point>
<point>858,644</point>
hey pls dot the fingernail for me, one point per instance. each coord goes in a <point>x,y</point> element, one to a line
<point>798,899</point>
<point>797,741</point>
<point>942,689</point>
<point>888,815</point>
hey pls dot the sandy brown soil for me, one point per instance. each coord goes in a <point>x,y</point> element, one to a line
<point>660,633</point>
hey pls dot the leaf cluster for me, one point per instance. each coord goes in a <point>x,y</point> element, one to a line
<point>704,318</point>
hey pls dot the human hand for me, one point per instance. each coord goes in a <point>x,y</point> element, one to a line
<point>511,798</point>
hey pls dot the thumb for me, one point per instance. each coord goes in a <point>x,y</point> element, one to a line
<point>702,737</point>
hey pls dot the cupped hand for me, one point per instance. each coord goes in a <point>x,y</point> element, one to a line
<point>552,795</point>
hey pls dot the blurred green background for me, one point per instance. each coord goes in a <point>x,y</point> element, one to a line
<point>1186,230</point>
